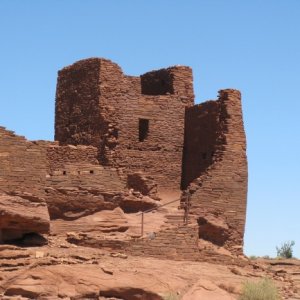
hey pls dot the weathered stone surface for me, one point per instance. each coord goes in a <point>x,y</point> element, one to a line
<point>22,164</point>
<point>103,221</point>
<point>82,282</point>
<point>86,273</point>
<point>215,162</point>
<point>205,289</point>
<point>213,229</point>
<point>140,129</point>
<point>142,183</point>
<point>71,203</point>
<point>77,185</point>
<point>20,216</point>
<point>137,123</point>
<point>135,203</point>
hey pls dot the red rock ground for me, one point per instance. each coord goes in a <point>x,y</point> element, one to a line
<point>63,270</point>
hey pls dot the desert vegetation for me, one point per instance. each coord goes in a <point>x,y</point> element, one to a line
<point>264,289</point>
<point>285,250</point>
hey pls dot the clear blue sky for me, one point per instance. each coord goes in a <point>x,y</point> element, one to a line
<point>252,45</point>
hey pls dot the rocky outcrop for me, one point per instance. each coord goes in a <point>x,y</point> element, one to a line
<point>136,202</point>
<point>66,271</point>
<point>144,184</point>
<point>103,221</point>
<point>71,203</point>
<point>77,189</point>
<point>21,215</point>
<point>213,229</point>
<point>116,278</point>
<point>81,282</point>
<point>205,289</point>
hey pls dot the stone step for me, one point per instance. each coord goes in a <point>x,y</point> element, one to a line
<point>174,216</point>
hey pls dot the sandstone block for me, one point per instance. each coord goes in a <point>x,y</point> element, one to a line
<point>20,216</point>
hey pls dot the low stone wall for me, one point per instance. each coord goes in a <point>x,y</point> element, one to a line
<point>172,243</point>
<point>59,156</point>
<point>76,185</point>
<point>22,164</point>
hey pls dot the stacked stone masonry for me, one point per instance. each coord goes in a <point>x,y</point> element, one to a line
<point>110,126</point>
<point>176,243</point>
<point>22,164</point>
<point>77,185</point>
<point>115,107</point>
<point>218,185</point>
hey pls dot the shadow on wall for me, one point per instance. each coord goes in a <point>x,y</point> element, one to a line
<point>216,233</point>
<point>201,140</point>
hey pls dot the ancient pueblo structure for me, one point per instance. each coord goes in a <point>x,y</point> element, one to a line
<point>130,145</point>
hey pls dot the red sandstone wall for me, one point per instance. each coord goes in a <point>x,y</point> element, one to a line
<point>68,177</point>
<point>22,164</point>
<point>77,116</point>
<point>76,184</point>
<point>221,185</point>
<point>160,154</point>
<point>202,133</point>
<point>175,243</point>
<point>59,156</point>
<point>114,126</point>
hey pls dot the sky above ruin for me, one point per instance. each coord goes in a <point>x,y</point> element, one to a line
<point>253,46</point>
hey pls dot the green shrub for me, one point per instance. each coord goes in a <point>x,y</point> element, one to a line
<point>286,250</point>
<point>260,290</point>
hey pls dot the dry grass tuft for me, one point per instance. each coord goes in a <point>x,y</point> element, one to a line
<point>264,289</point>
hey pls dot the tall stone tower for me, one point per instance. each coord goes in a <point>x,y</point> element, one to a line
<point>137,123</point>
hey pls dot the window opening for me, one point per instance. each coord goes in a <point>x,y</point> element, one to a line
<point>143,129</point>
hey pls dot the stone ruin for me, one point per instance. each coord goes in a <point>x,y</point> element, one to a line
<point>127,143</point>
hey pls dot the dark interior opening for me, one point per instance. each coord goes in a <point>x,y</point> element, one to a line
<point>143,129</point>
<point>158,82</point>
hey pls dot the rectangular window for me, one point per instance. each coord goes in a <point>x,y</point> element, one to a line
<point>143,129</point>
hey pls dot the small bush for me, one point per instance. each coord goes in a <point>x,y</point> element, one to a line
<point>253,257</point>
<point>261,290</point>
<point>171,296</point>
<point>266,257</point>
<point>286,250</point>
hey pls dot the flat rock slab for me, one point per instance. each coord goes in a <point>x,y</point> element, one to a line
<point>20,216</point>
<point>205,289</point>
<point>83,282</point>
<point>103,221</point>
